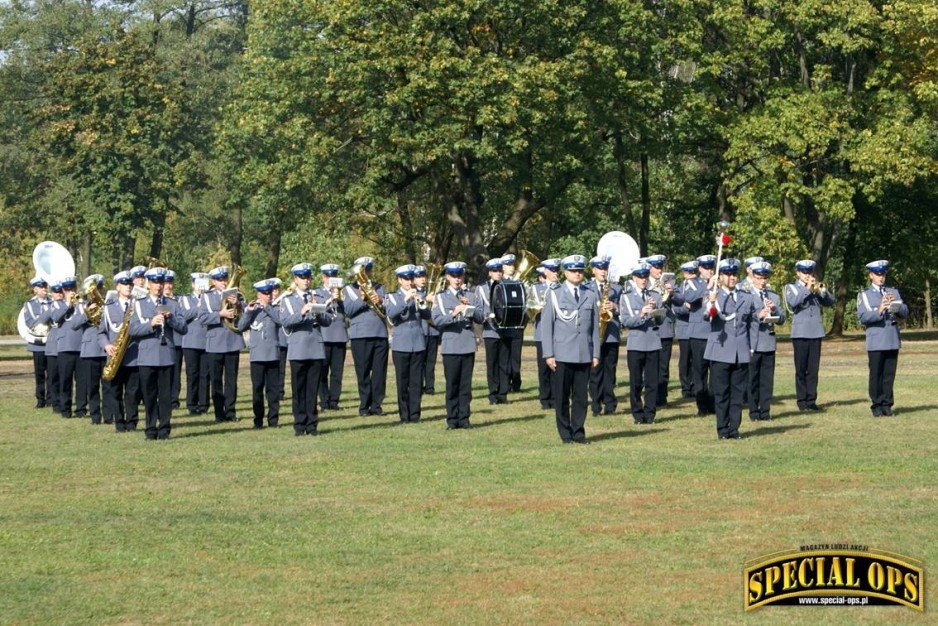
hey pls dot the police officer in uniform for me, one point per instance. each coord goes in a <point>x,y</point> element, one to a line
<point>643,344</point>
<point>880,308</point>
<point>91,359</point>
<point>548,276</point>
<point>497,341</point>
<point>335,339</point>
<point>31,311</point>
<point>732,318</point>
<point>603,377</point>
<point>120,398</point>
<point>138,274</point>
<point>454,311</point>
<point>156,327</point>
<point>665,289</point>
<point>694,295</point>
<point>368,333</point>
<point>407,343</point>
<point>263,319</point>
<point>681,311</point>
<point>762,363</point>
<point>56,303</point>
<point>305,349</point>
<point>169,288</point>
<point>69,344</point>
<point>222,346</point>
<point>570,334</point>
<point>514,336</point>
<point>747,283</point>
<point>805,297</point>
<point>198,369</point>
<point>430,332</point>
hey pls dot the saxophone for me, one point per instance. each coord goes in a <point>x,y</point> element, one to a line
<point>113,362</point>
<point>604,316</point>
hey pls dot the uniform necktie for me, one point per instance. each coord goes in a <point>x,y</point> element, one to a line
<point>576,294</point>
<point>124,305</point>
<point>306,298</point>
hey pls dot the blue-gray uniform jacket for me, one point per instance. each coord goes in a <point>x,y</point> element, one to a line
<point>666,329</point>
<point>763,336</point>
<point>189,310</point>
<point>613,331</point>
<point>882,331</point>
<point>304,331</point>
<point>68,337</point>
<point>807,322</point>
<point>265,330</point>
<point>218,339</point>
<point>570,330</point>
<point>150,349</point>
<point>364,323</point>
<point>731,328</point>
<point>643,332</point>
<point>45,317</point>
<point>408,323</point>
<point>89,333</point>
<point>483,293</point>
<point>31,311</point>
<point>456,334</point>
<point>111,321</point>
<point>693,292</point>
<point>335,331</point>
<point>538,292</point>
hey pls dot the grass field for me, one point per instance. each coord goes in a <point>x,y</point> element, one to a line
<point>373,522</point>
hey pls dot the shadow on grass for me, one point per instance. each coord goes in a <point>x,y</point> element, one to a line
<point>915,409</point>
<point>774,430</point>
<point>179,423</point>
<point>850,402</point>
<point>627,433</point>
<point>508,420</point>
<point>213,431</point>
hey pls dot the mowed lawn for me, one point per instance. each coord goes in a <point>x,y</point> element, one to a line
<point>373,522</point>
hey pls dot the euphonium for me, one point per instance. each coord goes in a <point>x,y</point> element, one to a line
<point>526,265</point>
<point>92,296</point>
<point>237,273</point>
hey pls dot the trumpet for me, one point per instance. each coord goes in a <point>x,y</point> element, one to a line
<point>817,287</point>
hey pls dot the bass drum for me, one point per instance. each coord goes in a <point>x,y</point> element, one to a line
<point>509,304</point>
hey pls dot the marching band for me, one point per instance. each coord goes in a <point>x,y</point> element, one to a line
<point>129,346</point>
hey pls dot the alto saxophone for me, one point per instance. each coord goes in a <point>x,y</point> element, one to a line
<point>113,362</point>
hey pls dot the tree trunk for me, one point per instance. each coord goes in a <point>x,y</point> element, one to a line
<point>128,252</point>
<point>928,313</point>
<point>622,185</point>
<point>85,257</point>
<point>849,260</point>
<point>190,28</point>
<point>156,241</point>
<point>646,207</point>
<point>273,251</point>
<point>466,209</point>
<point>237,234</point>
<point>407,225</point>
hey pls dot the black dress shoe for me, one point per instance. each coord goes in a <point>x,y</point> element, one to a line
<point>40,405</point>
<point>312,433</point>
<point>468,426</point>
<point>814,407</point>
<point>567,440</point>
<point>888,412</point>
<point>299,434</point>
<point>257,426</point>
<point>596,413</point>
<point>377,411</point>
<point>583,442</point>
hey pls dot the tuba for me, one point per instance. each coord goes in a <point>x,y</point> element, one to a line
<point>525,266</point>
<point>237,273</point>
<point>92,299</point>
<point>51,261</point>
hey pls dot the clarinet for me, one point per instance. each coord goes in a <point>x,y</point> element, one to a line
<point>161,301</point>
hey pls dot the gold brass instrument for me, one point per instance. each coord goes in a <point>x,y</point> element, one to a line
<point>605,316</point>
<point>113,363</point>
<point>434,284</point>
<point>237,273</point>
<point>816,287</point>
<point>368,291</point>
<point>283,294</point>
<point>525,266</point>
<point>92,299</point>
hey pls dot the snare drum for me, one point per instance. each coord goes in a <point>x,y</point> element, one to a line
<point>509,304</point>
